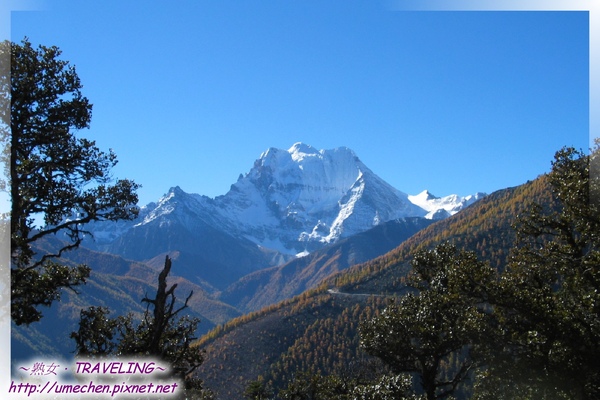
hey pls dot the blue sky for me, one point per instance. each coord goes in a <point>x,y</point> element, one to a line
<point>190,93</point>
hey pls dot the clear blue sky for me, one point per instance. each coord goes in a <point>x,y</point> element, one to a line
<point>190,93</point>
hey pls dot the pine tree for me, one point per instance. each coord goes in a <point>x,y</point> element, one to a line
<point>53,175</point>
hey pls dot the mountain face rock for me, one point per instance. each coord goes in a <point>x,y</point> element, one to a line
<point>301,199</point>
<point>291,202</point>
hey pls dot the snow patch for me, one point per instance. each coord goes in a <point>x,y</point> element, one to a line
<point>302,254</point>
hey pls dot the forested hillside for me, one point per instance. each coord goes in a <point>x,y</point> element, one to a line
<point>120,284</point>
<point>271,285</point>
<point>317,331</point>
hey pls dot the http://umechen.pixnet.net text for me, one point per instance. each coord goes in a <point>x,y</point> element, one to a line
<point>93,378</point>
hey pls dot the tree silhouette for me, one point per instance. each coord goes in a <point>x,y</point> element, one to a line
<point>161,333</point>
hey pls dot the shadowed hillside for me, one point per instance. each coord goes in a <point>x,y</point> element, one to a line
<point>272,285</point>
<point>116,283</point>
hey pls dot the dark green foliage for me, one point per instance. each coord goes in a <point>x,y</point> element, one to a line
<point>484,309</point>
<point>532,330</point>
<point>40,286</point>
<point>424,331</point>
<point>53,175</point>
<point>97,332</point>
<point>549,298</point>
<point>386,387</point>
<point>306,386</point>
<point>161,333</point>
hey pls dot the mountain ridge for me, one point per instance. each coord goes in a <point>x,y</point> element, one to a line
<point>271,285</point>
<point>291,201</point>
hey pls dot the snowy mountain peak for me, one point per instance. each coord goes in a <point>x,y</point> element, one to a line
<point>175,191</point>
<point>300,150</point>
<point>301,198</point>
<point>424,196</point>
<point>475,197</point>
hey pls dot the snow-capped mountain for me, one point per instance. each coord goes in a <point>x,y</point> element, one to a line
<point>290,202</point>
<point>442,207</point>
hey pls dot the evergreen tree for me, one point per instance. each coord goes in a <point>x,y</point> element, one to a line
<point>308,386</point>
<point>258,390</point>
<point>53,176</point>
<point>440,322</point>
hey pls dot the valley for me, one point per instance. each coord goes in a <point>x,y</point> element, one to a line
<point>296,221</point>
